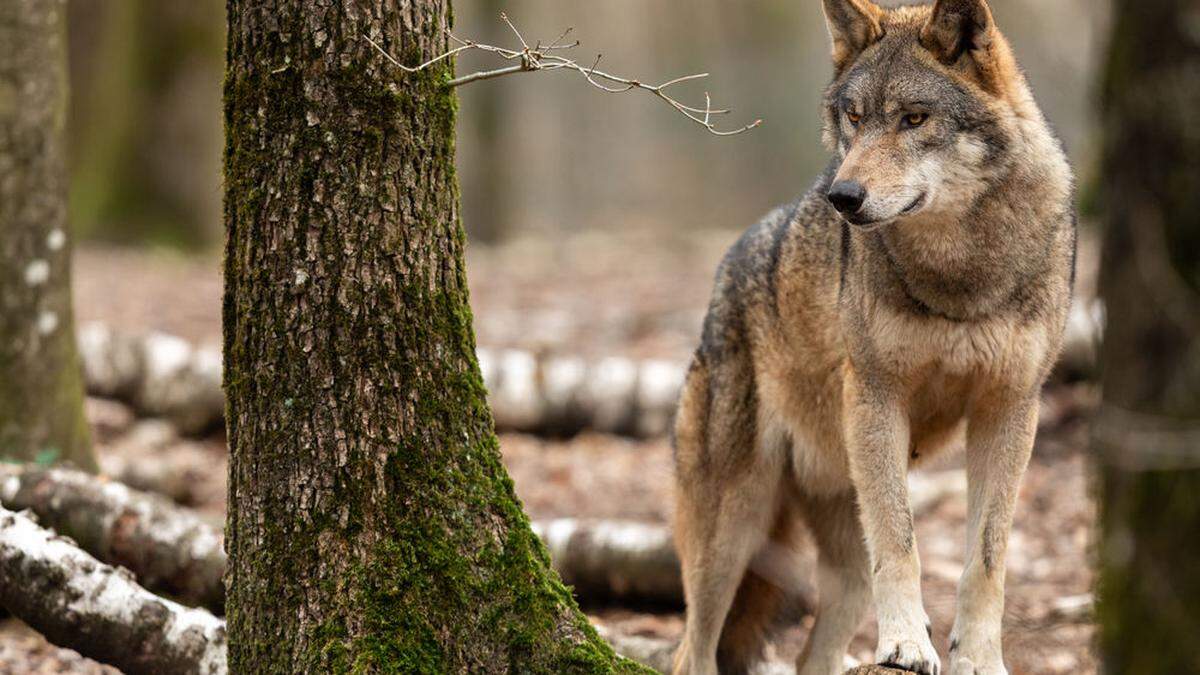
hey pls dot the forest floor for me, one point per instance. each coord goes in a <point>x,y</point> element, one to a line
<point>639,296</point>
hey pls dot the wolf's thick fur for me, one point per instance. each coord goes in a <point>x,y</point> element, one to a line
<point>840,350</point>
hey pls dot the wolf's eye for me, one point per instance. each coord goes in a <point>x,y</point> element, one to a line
<point>854,118</point>
<point>913,120</point>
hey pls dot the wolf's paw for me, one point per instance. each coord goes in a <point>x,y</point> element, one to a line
<point>975,657</point>
<point>967,661</point>
<point>913,652</point>
<point>962,665</point>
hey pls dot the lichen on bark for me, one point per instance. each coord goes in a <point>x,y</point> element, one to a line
<point>41,387</point>
<point>372,526</point>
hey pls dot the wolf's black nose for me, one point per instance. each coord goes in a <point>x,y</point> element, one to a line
<point>847,196</point>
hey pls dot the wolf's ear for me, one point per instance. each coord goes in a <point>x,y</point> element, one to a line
<point>956,27</point>
<point>853,26</point>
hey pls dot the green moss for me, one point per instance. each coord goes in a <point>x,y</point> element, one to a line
<point>421,595</point>
<point>332,646</point>
<point>425,596</point>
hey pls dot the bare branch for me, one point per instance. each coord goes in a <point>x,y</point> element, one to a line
<point>504,18</point>
<point>557,44</point>
<point>485,75</point>
<point>425,65</point>
<point>685,78</point>
<point>541,58</point>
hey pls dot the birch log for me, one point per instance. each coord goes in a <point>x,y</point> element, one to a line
<point>150,456</point>
<point>169,548</point>
<point>79,603</point>
<point>159,375</point>
<point>614,560</point>
<point>164,376</point>
<point>82,604</point>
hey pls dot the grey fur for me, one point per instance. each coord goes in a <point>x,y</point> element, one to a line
<point>837,351</point>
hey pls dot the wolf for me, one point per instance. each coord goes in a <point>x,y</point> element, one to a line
<point>911,303</point>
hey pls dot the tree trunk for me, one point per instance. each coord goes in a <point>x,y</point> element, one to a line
<point>372,526</point>
<point>41,389</point>
<point>1148,435</point>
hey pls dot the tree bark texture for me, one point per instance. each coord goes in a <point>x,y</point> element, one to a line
<point>1148,434</point>
<point>41,390</point>
<point>372,526</point>
<point>168,548</point>
<point>99,611</point>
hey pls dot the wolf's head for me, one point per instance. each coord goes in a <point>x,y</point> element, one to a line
<point>923,108</point>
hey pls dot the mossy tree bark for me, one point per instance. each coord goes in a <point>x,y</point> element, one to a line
<point>1147,434</point>
<point>41,385</point>
<point>372,526</point>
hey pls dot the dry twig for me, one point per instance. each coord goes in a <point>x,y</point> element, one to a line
<point>542,58</point>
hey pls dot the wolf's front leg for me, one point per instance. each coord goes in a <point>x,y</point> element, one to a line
<point>877,436</point>
<point>999,441</point>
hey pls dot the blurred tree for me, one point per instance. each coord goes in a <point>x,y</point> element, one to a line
<point>487,211</point>
<point>41,385</point>
<point>145,135</point>
<point>372,526</point>
<point>1148,435</point>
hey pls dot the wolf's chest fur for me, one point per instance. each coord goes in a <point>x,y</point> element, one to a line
<point>923,348</point>
<point>807,299</point>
